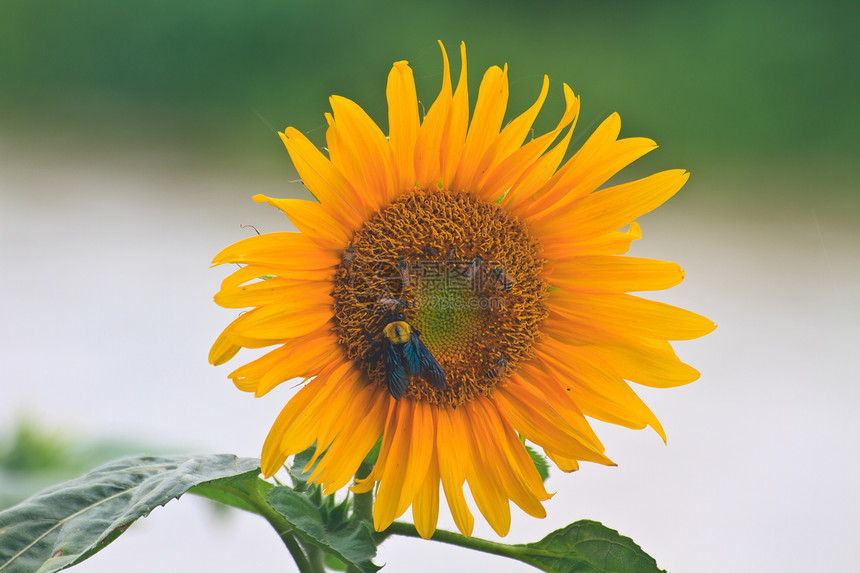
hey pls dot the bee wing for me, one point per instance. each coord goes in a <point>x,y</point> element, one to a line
<point>427,368</point>
<point>411,356</point>
<point>396,374</point>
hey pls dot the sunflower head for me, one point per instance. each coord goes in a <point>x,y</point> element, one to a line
<point>455,289</point>
<point>447,262</point>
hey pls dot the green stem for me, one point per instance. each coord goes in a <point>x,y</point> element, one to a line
<point>284,530</point>
<point>475,543</point>
<point>315,557</point>
<point>256,501</point>
<point>292,545</point>
<point>362,504</point>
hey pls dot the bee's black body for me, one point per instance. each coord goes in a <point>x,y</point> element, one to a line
<point>405,356</point>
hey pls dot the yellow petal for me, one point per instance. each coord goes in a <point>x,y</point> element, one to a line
<point>581,161</point>
<point>396,466</point>
<point>325,182</point>
<point>510,461</point>
<point>425,508</point>
<point>614,243</point>
<point>271,291</point>
<point>332,418</point>
<point>251,342</point>
<point>583,377</point>
<point>454,136</point>
<point>347,161</point>
<point>454,463</point>
<point>403,121</point>
<point>352,444</point>
<point>543,168</point>
<point>389,432</point>
<point>612,208</point>
<point>230,342</point>
<point>427,166</point>
<point>423,444</point>
<point>253,272</point>
<point>564,464</point>
<point>639,359</point>
<point>652,363</point>
<point>486,122</point>
<point>298,428</point>
<point>279,249</point>
<point>536,420</point>
<point>632,314</point>
<point>286,319</point>
<point>483,479</point>
<point>222,351</point>
<point>313,220</point>
<point>369,145</point>
<point>274,454</point>
<point>525,168</point>
<point>297,358</point>
<point>509,140</point>
<point>586,177</point>
<point>602,274</point>
<point>563,182</point>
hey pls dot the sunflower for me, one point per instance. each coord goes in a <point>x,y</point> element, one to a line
<point>453,292</point>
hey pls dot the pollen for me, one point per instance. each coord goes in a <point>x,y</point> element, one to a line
<point>465,275</point>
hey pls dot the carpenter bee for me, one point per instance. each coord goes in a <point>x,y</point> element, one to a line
<point>405,356</point>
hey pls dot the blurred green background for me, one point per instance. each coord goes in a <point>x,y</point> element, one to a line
<point>727,86</point>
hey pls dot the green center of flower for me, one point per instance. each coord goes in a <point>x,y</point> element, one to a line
<point>461,272</point>
<point>450,317</point>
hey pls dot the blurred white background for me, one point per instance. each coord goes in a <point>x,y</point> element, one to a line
<point>107,317</point>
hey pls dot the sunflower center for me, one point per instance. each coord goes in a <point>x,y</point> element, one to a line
<point>463,274</point>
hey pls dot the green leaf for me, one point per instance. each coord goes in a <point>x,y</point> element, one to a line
<point>67,523</point>
<point>352,543</point>
<point>587,547</point>
<point>300,460</point>
<point>539,461</point>
<point>333,563</point>
<point>235,490</point>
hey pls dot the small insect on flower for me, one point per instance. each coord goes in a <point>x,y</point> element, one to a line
<point>474,269</point>
<point>390,305</point>
<point>348,257</point>
<point>500,279</point>
<point>403,269</point>
<point>490,275</point>
<point>498,368</point>
<point>405,356</point>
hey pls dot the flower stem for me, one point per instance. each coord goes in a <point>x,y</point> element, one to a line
<point>362,508</point>
<point>284,530</point>
<point>315,557</point>
<point>298,555</point>
<point>362,503</point>
<point>252,497</point>
<point>475,543</point>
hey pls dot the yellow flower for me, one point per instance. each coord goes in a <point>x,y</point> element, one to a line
<point>494,260</point>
